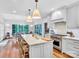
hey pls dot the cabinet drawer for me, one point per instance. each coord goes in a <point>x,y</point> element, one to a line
<point>76,43</point>
<point>77,48</point>
<point>73,42</point>
<point>73,46</point>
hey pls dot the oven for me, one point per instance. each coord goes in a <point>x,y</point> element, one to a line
<point>57,44</point>
<point>57,40</point>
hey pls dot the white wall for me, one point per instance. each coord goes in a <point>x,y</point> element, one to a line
<point>1,27</point>
<point>8,25</point>
<point>78,17</point>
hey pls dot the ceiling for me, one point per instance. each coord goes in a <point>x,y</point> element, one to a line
<point>21,7</point>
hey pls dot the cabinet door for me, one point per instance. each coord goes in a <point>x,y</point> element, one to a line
<point>65,45</point>
<point>35,51</point>
<point>72,16</point>
<point>41,51</point>
<point>48,50</point>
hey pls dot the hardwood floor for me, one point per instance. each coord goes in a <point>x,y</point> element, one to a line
<point>12,50</point>
<point>58,54</point>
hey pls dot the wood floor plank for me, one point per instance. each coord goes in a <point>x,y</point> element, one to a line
<point>58,54</point>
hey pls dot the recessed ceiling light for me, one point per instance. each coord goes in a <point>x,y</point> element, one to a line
<point>13,11</point>
<point>52,9</point>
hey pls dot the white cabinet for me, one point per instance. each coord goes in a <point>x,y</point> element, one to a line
<point>38,48</point>
<point>70,47</point>
<point>72,16</point>
<point>44,50</point>
<point>35,51</point>
<point>48,50</point>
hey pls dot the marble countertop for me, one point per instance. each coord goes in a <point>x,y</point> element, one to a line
<point>33,41</point>
<point>72,38</point>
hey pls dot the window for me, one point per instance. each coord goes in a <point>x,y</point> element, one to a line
<point>20,29</point>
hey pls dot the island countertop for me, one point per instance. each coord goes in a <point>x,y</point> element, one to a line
<point>32,40</point>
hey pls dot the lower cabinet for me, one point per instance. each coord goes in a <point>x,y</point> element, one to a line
<point>48,50</point>
<point>44,50</point>
<point>71,47</point>
<point>35,51</point>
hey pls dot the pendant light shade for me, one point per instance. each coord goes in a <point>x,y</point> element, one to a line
<point>36,12</point>
<point>29,18</point>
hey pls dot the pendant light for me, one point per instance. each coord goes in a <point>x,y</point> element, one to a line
<point>29,18</point>
<point>36,13</point>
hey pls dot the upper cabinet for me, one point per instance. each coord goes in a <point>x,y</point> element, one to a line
<point>72,16</point>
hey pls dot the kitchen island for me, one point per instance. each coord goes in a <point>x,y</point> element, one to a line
<point>38,48</point>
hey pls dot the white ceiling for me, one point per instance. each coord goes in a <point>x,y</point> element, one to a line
<point>21,6</point>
